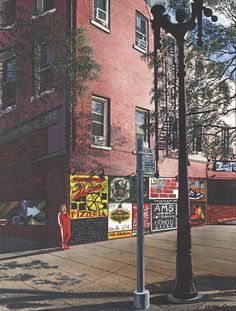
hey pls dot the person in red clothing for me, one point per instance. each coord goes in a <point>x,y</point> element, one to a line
<point>64,225</point>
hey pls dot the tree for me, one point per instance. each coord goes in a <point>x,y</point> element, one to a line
<point>209,95</point>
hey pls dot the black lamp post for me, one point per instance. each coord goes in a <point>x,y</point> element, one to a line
<point>184,290</point>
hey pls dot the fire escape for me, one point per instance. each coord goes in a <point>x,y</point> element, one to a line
<point>167,105</point>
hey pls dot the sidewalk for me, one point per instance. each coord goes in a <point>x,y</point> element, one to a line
<point>102,276</point>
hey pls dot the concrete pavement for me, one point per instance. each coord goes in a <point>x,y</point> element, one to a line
<point>102,276</point>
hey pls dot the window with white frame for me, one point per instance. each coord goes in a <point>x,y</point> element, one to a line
<point>142,126</point>
<point>41,6</point>
<point>101,12</point>
<point>141,32</point>
<point>100,121</point>
<point>42,68</point>
<point>7,79</point>
<point>7,12</point>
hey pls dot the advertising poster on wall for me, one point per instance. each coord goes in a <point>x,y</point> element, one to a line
<point>24,212</point>
<point>197,190</point>
<point>119,220</point>
<point>120,189</point>
<point>147,225</point>
<point>163,215</point>
<point>198,215</point>
<point>88,196</point>
<point>163,188</point>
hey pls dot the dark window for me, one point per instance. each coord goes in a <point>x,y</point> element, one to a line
<point>142,126</point>
<point>7,12</point>
<point>141,32</point>
<point>8,77</point>
<point>197,138</point>
<point>41,6</point>
<point>173,133</point>
<point>225,139</point>
<point>222,192</point>
<point>43,73</point>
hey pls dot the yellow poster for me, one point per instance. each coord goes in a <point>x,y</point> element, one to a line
<point>88,196</point>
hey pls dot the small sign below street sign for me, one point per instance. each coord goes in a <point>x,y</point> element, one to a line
<point>148,162</point>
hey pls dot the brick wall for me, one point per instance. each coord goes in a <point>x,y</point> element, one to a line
<point>218,214</point>
<point>125,80</point>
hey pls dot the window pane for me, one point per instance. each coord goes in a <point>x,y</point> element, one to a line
<point>98,107</point>
<point>11,70</point>
<point>101,4</point>
<point>142,125</point>
<point>48,5</point>
<point>7,12</point>
<point>98,129</point>
<point>98,117</point>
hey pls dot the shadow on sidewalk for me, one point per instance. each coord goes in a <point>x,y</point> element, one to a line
<point>216,289</point>
<point>22,299</point>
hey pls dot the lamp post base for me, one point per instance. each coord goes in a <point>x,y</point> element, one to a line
<point>173,299</point>
<point>141,300</point>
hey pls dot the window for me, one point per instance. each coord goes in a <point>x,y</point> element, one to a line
<point>100,121</point>
<point>41,6</point>
<point>142,126</point>
<point>173,133</point>
<point>171,53</point>
<point>225,140</point>
<point>197,138</point>
<point>43,73</point>
<point>7,12</point>
<point>101,12</point>
<point>141,33</point>
<point>8,79</point>
<point>199,69</point>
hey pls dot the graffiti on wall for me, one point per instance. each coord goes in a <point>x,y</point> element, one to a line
<point>23,212</point>
<point>88,197</point>
<point>120,189</point>
<point>163,215</point>
<point>163,188</point>
<point>119,220</point>
<point>146,210</point>
<point>197,190</point>
<point>198,214</point>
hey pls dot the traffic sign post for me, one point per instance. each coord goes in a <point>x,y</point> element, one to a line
<point>141,295</point>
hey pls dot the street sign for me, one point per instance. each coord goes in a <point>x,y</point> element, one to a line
<point>148,162</point>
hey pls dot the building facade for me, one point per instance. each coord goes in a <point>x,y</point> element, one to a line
<point>50,155</point>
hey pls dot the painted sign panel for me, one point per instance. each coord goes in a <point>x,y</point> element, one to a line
<point>224,166</point>
<point>163,188</point>
<point>120,189</point>
<point>119,220</point>
<point>198,214</point>
<point>89,230</point>
<point>23,212</point>
<point>146,210</point>
<point>148,162</point>
<point>163,215</point>
<point>197,190</point>
<point>88,197</point>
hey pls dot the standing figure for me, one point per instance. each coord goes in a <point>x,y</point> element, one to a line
<point>64,224</point>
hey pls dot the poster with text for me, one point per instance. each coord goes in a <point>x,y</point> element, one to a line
<point>146,210</point>
<point>163,215</point>
<point>119,220</point>
<point>88,197</point>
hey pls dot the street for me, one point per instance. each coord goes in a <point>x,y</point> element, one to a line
<point>102,276</point>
